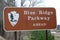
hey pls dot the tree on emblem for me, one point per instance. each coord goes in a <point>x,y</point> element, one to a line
<point>11,16</point>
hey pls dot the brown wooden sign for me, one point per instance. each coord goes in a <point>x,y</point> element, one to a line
<point>29,18</point>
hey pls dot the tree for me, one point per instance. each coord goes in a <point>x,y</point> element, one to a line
<point>41,35</point>
<point>11,17</point>
<point>50,36</point>
<point>1,17</point>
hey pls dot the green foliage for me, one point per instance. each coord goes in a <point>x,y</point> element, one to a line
<point>41,35</point>
<point>50,37</point>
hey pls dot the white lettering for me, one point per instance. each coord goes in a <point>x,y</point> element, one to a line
<point>29,12</point>
<point>38,18</point>
<point>45,12</point>
<point>39,24</point>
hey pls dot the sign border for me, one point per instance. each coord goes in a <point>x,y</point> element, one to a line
<point>25,30</point>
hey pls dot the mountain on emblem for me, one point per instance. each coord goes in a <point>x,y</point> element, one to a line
<point>13,17</point>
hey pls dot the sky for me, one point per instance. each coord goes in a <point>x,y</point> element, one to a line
<point>56,5</point>
<point>52,3</point>
<point>46,3</point>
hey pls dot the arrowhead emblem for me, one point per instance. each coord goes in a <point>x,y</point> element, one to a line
<point>13,17</point>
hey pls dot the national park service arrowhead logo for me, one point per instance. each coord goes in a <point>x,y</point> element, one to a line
<point>13,17</point>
